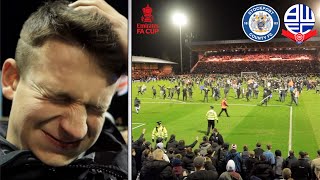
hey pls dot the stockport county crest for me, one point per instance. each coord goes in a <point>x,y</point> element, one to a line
<point>260,23</point>
<point>299,20</point>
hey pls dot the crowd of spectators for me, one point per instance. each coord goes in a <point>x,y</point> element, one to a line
<point>279,66</point>
<point>210,159</point>
<point>258,56</point>
<point>143,74</point>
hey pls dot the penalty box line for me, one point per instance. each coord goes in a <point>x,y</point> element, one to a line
<point>139,125</point>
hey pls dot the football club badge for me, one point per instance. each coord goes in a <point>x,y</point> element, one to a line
<point>299,20</point>
<point>260,23</point>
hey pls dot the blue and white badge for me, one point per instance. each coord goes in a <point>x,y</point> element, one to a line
<point>260,23</point>
<point>299,20</point>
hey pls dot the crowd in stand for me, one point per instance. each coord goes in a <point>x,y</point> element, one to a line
<point>293,66</point>
<point>257,56</point>
<point>212,158</point>
<point>145,74</point>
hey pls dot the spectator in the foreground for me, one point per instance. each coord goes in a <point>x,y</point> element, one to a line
<point>289,160</point>
<point>181,149</point>
<point>157,168</point>
<point>279,164</point>
<point>301,169</point>
<point>269,155</point>
<point>231,173</point>
<point>216,137</point>
<point>286,174</point>
<point>222,154</point>
<point>258,151</point>
<point>204,170</point>
<point>315,166</point>
<point>250,163</point>
<point>235,156</point>
<point>262,169</point>
<point>172,143</point>
<point>187,160</point>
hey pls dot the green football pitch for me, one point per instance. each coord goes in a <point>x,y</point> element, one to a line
<point>284,126</point>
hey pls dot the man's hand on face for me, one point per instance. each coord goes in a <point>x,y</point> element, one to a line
<point>119,22</point>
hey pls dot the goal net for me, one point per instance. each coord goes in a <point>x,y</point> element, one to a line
<point>249,74</point>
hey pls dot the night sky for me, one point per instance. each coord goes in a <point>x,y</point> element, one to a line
<point>208,20</point>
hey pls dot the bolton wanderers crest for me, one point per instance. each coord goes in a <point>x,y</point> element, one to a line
<point>260,23</point>
<point>299,20</point>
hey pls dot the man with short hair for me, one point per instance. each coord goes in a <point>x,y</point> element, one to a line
<point>289,160</point>
<point>204,170</point>
<point>211,117</point>
<point>67,66</point>
<point>258,151</point>
<point>269,155</point>
<point>216,137</point>
<point>301,169</point>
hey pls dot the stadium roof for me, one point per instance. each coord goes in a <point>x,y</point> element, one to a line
<point>246,44</point>
<point>142,59</point>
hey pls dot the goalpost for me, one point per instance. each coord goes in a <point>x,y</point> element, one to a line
<point>246,74</point>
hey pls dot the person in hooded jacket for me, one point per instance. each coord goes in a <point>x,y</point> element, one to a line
<point>231,173</point>
<point>172,143</point>
<point>262,169</point>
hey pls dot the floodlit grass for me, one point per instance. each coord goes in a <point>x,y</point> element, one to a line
<point>248,124</point>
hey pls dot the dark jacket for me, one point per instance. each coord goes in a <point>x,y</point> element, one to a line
<point>210,173</point>
<point>258,152</point>
<point>289,160</point>
<point>216,138</point>
<point>235,156</point>
<point>187,161</point>
<point>301,170</point>
<point>157,170</point>
<point>106,159</point>
<point>137,146</point>
<point>263,170</point>
<point>181,148</point>
<point>172,143</point>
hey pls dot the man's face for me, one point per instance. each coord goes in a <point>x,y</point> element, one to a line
<point>57,109</point>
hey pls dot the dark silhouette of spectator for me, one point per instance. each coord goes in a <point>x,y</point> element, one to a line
<point>204,170</point>
<point>187,160</point>
<point>216,137</point>
<point>278,164</point>
<point>258,151</point>
<point>289,160</point>
<point>262,169</point>
<point>172,143</point>
<point>157,169</point>
<point>301,169</point>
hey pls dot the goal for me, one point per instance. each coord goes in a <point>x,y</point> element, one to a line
<point>248,74</point>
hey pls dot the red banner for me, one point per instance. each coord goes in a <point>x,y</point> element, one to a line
<point>299,38</point>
